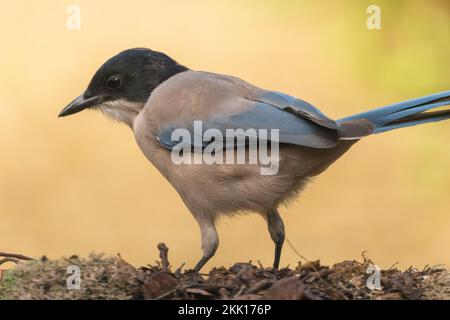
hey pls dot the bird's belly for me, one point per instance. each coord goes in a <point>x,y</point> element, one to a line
<point>216,189</point>
<point>211,190</point>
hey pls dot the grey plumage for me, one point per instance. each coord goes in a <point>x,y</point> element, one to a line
<point>309,141</point>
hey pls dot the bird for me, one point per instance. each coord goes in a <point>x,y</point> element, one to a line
<point>154,95</point>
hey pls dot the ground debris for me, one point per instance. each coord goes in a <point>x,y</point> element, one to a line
<point>114,278</point>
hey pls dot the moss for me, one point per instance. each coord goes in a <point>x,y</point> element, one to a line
<point>101,278</point>
<point>113,278</point>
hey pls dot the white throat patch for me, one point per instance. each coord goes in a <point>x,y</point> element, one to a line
<point>121,110</point>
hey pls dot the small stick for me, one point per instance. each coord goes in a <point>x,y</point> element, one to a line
<point>394,265</point>
<point>13,255</point>
<point>179,270</point>
<point>163,250</point>
<point>241,290</point>
<point>364,256</point>
<point>261,285</point>
<point>166,294</point>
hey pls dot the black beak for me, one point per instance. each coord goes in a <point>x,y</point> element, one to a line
<point>79,104</point>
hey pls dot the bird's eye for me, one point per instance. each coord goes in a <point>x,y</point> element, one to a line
<point>114,82</point>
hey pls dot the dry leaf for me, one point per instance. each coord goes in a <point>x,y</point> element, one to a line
<point>286,289</point>
<point>157,284</point>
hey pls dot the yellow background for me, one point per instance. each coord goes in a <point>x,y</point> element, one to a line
<point>81,184</point>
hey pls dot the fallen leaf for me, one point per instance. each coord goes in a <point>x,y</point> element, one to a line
<point>286,289</point>
<point>157,284</point>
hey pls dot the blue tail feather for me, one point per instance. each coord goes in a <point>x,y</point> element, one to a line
<point>407,113</point>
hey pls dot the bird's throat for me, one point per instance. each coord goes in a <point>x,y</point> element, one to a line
<point>121,110</point>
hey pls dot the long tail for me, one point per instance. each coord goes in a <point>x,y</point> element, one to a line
<point>399,115</point>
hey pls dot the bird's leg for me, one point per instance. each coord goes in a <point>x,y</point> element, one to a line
<point>276,229</point>
<point>210,242</point>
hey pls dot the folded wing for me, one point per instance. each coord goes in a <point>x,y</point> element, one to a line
<point>230,104</point>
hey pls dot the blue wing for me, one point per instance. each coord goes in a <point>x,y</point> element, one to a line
<point>297,122</point>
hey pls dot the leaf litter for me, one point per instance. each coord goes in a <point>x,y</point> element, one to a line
<point>104,277</point>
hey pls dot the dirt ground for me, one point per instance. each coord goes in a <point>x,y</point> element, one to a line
<point>105,277</point>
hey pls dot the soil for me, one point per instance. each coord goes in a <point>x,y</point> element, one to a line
<point>104,277</point>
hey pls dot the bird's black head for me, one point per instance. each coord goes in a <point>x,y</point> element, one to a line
<point>129,77</point>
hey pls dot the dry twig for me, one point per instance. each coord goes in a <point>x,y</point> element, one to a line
<point>14,255</point>
<point>163,254</point>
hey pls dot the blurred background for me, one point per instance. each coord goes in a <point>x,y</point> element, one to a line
<point>81,184</point>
